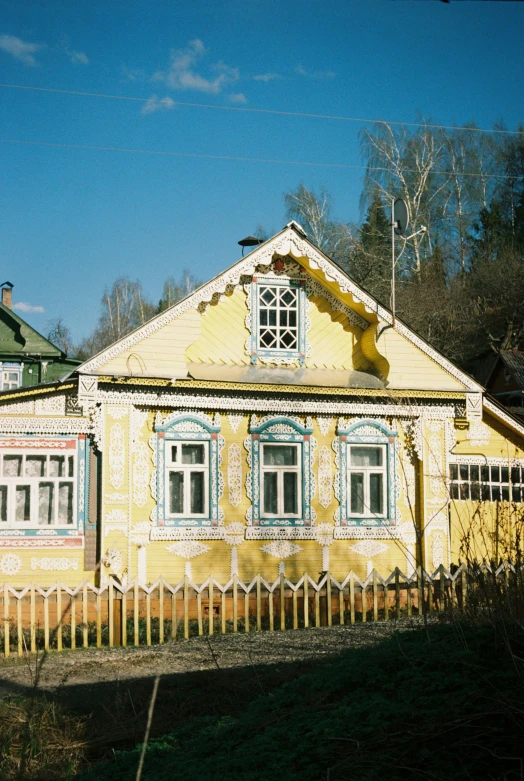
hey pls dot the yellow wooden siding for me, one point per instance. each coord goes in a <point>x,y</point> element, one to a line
<point>410,368</point>
<point>334,341</point>
<point>502,443</point>
<point>162,354</point>
<point>224,333</point>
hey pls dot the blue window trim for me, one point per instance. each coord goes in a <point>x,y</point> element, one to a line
<point>195,428</point>
<point>365,432</point>
<point>280,429</point>
<point>290,356</point>
<point>82,491</point>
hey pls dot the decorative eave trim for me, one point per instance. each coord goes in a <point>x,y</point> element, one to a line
<point>505,417</point>
<point>44,425</point>
<point>290,241</point>
<point>7,397</point>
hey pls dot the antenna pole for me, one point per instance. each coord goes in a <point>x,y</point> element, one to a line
<point>393,226</point>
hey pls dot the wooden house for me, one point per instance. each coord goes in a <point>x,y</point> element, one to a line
<point>276,419</point>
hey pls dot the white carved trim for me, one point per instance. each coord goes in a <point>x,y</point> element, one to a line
<point>54,564</point>
<point>49,426</point>
<point>234,474</point>
<point>10,564</point>
<point>325,477</point>
<point>234,421</point>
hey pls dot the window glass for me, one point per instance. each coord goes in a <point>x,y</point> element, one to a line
<point>357,492</point>
<point>278,318</point>
<point>56,466</point>
<point>23,503</point>
<point>376,493</point>
<point>35,466</point>
<point>45,503</point>
<point>193,454</point>
<point>366,456</point>
<point>188,482</point>
<point>65,503</point>
<point>290,493</point>
<point>197,493</point>
<point>270,493</point>
<point>176,492</point>
<point>280,455</point>
<point>3,503</point>
<point>12,466</point>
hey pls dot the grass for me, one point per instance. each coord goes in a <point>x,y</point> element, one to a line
<point>401,709</point>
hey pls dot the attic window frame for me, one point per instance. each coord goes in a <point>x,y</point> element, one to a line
<point>278,355</point>
<point>7,367</point>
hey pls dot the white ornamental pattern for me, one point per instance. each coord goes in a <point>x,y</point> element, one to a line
<point>234,474</point>
<point>281,549</point>
<point>324,424</point>
<point>437,551</point>
<point>52,405</point>
<point>478,434</point>
<point>10,564</point>
<point>116,455</point>
<point>234,421</point>
<point>325,477</point>
<point>52,564</point>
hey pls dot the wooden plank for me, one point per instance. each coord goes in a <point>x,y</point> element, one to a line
<point>352,597</point>
<point>235,603</point>
<point>306,600</point>
<point>375,596</point>
<point>341,606</point>
<point>271,615</point>
<point>148,618</point>
<point>282,603</point>
<point>295,609</point>
<point>442,596</point>
<point>464,583</point>
<point>223,611</point>
<point>364,604</point>
<point>386,601</point>
<point>124,619</point>
<point>259,604</point>
<point>46,623</point>
<point>73,622</point>
<point>98,620</point>
<point>161,611</point>
<point>328,597</point>
<point>32,618</point>
<point>247,628</point>
<point>85,626</point>
<point>110,610</point>
<point>408,597</point>
<point>199,614</point>
<point>186,608</point>
<point>317,607</point>
<point>136,636</point>
<point>58,616</point>
<point>19,630</point>
<point>211,621</point>
<point>397,592</point>
<point>420,590</point>
<point>173,617</point>
<point>6,620</point>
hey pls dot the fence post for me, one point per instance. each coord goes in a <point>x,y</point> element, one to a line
<point>397,592</point>
<point>124,618</point>
<point>32,618</point>
<point>6,620</point>
<point>199,614</point>
<point>136,637</point>
<point>464,582</point>
<point>246,611</point>
<point>271,615</point>
<point>352,597</point>
<point>73,621</point>
<point>442,596</point>
<point>148,617</point>
<point>282,604</point>
<point>19,630</point>
<point>161,611</point>
<point>328,598</point>
<point>235,602</point>
<point>420,587</point>
<point>99,618</point>
<point>173,616</point>
<point>85,626</point>
<point>295,609</point>
<point>306,601</point>
<point>386,599</point>
<point>211,623</point>
<point>259,604</point>
<point>46,623</point>
<point>110,611</point>
<point>341,606</point>
<point>186,607</point>
<point>375,595</point>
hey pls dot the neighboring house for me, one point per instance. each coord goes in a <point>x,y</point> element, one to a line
<point>506,380</point>
<point>26,357</point>
<point>276,419</point>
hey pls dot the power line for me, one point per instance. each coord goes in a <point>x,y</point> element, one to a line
<point>246,109</point>
<point>237,159</point>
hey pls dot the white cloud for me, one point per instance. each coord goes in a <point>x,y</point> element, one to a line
<point>181,74</point>
<point>23,306</point>
<point>154,104</point>
<point>78,58</point>
<point>314,74</point>
<point>267,77</point>
<point>238,97</point>
<point>19,49</point>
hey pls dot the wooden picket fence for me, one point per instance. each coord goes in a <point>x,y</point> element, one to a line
<point>113,614</point>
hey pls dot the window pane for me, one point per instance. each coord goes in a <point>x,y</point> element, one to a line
<point>357,492</point>
<point>12,466</point>
<point>515,493</point>
<point>464,490</point>
<point>485,493</point>
<point>463,469</point>
<point>45,503</point>
<point>504,474</point>
<point>56,466</point>
<point>193,454</point>
<point>376,494</point>
<point>65,503</point>
<point>71,468</point>
<point>197,493</point>
<point>366,456</point>
<point>495,474</point>
<point>280,455</point>
<point>22,502</point>
<point>3,503</point>
<point>505,493</point>
<point>35,466</point>
<point>475,491</point>
<point>270,493</point>
<point>474,473</point>
<point>453,471</point>
<point>176,492</point>
<point>290,493</point>
<point>454,491</point>
<point>515,475</point>
<point>484,474</point>
<point>495,493</point>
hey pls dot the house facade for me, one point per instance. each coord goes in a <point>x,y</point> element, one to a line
<point>277,419</point>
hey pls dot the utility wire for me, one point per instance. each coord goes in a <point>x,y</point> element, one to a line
<point>237,159</point>
<point>276,112</point>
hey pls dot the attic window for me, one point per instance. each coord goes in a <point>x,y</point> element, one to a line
<point>10,376</point>
<point>278,321</point>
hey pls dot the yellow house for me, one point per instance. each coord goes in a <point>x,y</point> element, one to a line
<point>277,419</point>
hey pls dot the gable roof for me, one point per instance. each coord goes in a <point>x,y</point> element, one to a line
<point>26,340</point>
<point>514,363</point>
<point>291,241</point>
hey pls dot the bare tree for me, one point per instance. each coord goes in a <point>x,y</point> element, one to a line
<point>59,334</point>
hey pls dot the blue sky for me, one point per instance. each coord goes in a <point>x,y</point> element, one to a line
<point>74,219</point>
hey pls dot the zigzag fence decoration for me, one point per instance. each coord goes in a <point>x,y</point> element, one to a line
<point>58,617</point>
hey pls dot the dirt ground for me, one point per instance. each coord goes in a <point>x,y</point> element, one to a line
<point>98,666</point>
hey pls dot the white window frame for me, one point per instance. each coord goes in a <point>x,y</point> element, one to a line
<point>7,368</point>
<point>33,482</point>
<point>280,469</point>
<point>178,466</point>
<point>367,471</point>
<point>278,291</point>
